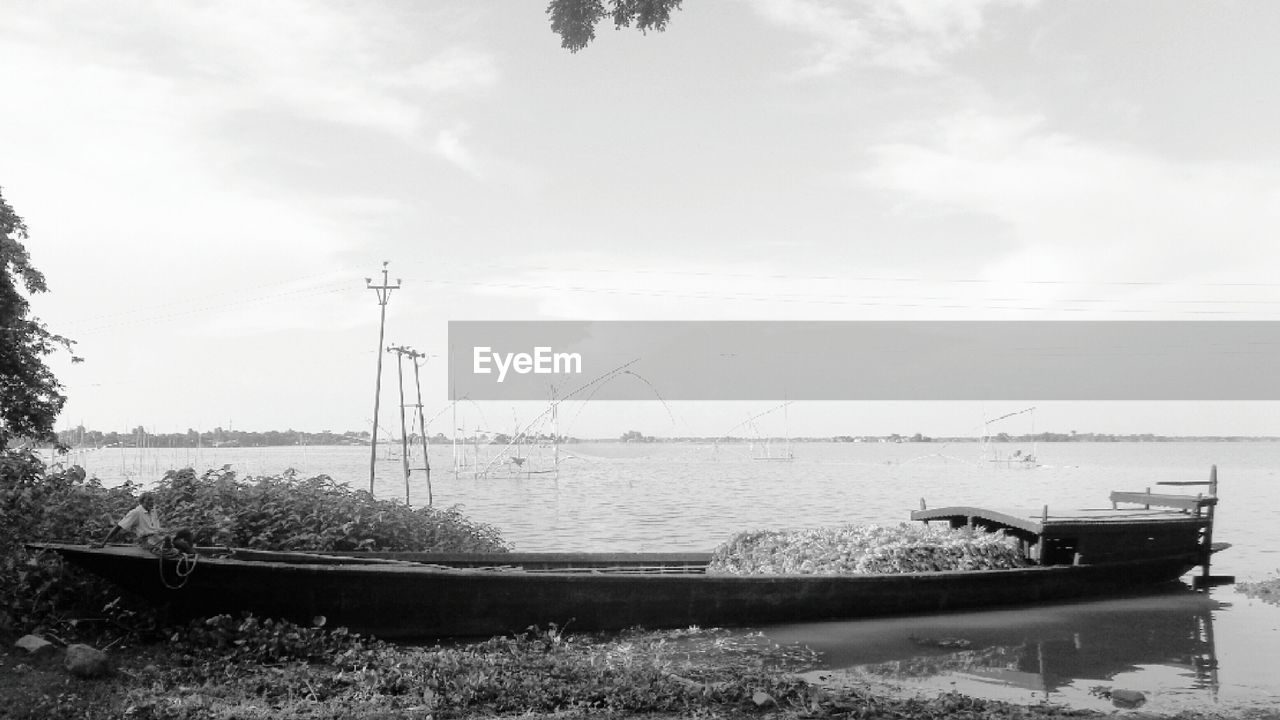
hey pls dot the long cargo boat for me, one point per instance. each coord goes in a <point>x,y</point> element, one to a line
<point>423,595</point>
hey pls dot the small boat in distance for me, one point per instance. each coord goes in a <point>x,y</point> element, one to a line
<point>424,595</point>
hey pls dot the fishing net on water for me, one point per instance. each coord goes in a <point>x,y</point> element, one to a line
<point>865,549</point>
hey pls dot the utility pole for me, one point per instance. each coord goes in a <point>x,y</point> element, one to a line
<point>422,425</point>
<point>384,293</point>
<point>401,351</point>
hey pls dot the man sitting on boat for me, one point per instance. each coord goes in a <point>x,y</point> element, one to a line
<point>144,523</point>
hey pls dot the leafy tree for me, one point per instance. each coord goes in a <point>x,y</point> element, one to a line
<point>30,396</point>
<point>575,20</point>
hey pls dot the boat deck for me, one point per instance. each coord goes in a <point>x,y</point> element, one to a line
<point>1040,522</point>
<point>1163,525</point>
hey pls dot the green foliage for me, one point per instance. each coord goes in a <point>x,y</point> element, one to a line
<point>270,513</point>
<point>38,503</point>
<point>1268,591</point>
<point>865,549</point>
<point>274,664</point>
<point>286,512</point>
<point>30,396</point>
<point>575,20</point>
<point>254,640</point>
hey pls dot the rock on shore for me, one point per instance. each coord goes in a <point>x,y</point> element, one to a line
<point>37,647</point>
<point>85,661</point>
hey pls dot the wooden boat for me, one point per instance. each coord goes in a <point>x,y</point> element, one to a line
<point>420,595</point>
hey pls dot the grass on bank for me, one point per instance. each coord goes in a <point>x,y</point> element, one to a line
<point>253,669</point>
<point>250,668</point>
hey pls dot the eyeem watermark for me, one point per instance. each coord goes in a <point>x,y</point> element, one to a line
<point>542,361</point>
<point>865,360</point>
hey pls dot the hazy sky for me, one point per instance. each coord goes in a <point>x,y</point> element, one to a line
<point>208,185</point>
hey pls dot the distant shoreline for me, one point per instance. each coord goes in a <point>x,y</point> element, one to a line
<point>878,439</point>
<point>159,442</point>
<point>869,439</point>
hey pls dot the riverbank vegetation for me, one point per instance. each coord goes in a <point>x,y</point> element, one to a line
<point>249,668</point>
<point>1268,590</point>
<point>288,512</point>
<point>253,669</point>
<point>283,512</point>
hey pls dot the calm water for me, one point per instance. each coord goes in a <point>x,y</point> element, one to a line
<point>1216,650</point>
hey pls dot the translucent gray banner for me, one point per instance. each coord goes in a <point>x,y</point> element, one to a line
<point>864,360</point>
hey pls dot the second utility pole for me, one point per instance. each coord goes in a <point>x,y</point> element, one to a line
<point>400,352</point>
<point>384,293</point>
<point>422,427</point>
<point>403,351</point>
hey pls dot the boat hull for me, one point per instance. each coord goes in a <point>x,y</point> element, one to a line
<point>401,600</point>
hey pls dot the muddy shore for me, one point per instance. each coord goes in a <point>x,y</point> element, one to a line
<point>650,675</point>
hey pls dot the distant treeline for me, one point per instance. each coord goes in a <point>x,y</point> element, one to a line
<point>635,436</point>
<point>1056,437</point>
<point>219,437</point>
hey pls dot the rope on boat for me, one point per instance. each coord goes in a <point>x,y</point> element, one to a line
<point>184,566</point>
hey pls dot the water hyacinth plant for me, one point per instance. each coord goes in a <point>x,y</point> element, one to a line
<point>288,512</point>
<point>865,549</point>
<point>281,512</point>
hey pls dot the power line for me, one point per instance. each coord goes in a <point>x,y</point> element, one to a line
<point>873,279</point>
<point>865,301</point>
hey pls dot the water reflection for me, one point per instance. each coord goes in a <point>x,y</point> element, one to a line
<point>1164,643</point>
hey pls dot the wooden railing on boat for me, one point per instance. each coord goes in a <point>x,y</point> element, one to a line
<point>1198,505</point>
<point>1166,524</point>
<point>1147,499</point>
<point>1206,578</point>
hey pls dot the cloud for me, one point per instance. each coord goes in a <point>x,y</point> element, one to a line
<point>638,288</point>
<point>452,70</point>
<point>449,145</point>
<point>138,118</point>
<point>907,35</point>
<point>358,64</point>
<point>1076,208</point>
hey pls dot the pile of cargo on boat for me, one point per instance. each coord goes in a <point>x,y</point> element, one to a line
<point>865,549</point>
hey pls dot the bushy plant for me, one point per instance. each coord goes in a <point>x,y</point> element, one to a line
<point>42,503</point>
<point>866,549</point>
<point>39,502</point>
<point>251,639</point>
<point>286,512</point>
<point>539,671</point>
<point>1268,590</point>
